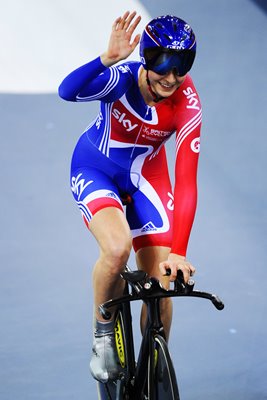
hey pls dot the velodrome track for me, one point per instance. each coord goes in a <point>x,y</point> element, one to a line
<point>47,253</point>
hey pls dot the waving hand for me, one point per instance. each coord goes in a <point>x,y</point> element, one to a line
<point>121,44</point>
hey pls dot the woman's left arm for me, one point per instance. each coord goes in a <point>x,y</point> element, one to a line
<point>185,190</point>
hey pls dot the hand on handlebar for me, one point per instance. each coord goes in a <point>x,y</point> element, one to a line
<point>174,263</point>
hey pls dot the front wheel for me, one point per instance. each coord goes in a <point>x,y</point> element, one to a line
<point>106,391</point>
<point>162,380</point>
<point>111,390</point>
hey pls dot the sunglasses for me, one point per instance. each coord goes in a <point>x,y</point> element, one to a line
<point>162,61</point>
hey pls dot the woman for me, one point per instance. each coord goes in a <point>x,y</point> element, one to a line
<point>121,155</point>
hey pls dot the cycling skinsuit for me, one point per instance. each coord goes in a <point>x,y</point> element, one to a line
<point>122,153</point>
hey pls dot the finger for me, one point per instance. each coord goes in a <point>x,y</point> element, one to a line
<point>132,22</point>
<point>162,267</point>
<point>192,269</point>
<point>129,19</point>
<point>173,275</point>
<point>187,275</point>
<point>165,269</point>
<point>186,272</point>
<point>135,42</point>
<point>133,26</point>
<point>115,24</point>
<point>172,272</point>
<point>123,20</point>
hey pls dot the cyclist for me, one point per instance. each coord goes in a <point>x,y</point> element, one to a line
<point>122,155</point>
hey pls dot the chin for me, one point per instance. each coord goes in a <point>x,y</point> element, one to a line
<point>166,93</point>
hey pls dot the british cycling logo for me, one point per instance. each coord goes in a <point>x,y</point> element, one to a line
<point>155,132</point>
<point>78,185</point>
<point>195,145</point>
<point>126,123</point>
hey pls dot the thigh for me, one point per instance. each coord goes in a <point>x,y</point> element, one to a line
<point>111,230</point>
<point>93,191</point>
<point>93,180</point>
<point>150,214</point>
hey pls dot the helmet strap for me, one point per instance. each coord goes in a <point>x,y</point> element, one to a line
<point>156,98</point>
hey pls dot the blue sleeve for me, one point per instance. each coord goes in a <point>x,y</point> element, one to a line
<point>94,81</point>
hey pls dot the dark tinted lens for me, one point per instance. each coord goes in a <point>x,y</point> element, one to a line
<point>152,54</point>
<point>163,62</point>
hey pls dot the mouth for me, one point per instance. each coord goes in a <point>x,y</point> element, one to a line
<point>166,85</point>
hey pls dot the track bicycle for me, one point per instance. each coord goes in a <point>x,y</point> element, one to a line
<point>152,377</point>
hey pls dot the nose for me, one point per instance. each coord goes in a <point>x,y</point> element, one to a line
<point>171,76</point>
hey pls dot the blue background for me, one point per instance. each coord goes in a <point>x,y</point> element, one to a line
<point>47,254</point>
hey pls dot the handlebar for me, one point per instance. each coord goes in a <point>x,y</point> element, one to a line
<point>146,288</point>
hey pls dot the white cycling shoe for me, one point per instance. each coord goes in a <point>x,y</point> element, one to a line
<point>104,364</point>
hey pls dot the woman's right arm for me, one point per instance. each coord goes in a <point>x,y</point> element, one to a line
<point>96,79</point>
<point>80,79</point>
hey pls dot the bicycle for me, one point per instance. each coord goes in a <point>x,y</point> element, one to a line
<point>152,377</point>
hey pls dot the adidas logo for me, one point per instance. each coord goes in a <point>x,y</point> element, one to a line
<point>148,227</point>
<point>111,194</point>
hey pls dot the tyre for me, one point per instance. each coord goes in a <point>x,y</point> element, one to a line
<point>164,379</point>
<point>111,390</point>
<point>106,391</point>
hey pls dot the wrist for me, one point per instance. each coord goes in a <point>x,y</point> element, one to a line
<point>108,61</point>
<point>176,257</point>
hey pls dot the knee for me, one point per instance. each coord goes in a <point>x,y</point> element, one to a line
<point>116,254</point>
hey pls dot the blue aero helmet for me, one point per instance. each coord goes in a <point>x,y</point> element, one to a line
<point>167,44</point>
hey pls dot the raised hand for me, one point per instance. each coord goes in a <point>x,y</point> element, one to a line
<point>121,44</point>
